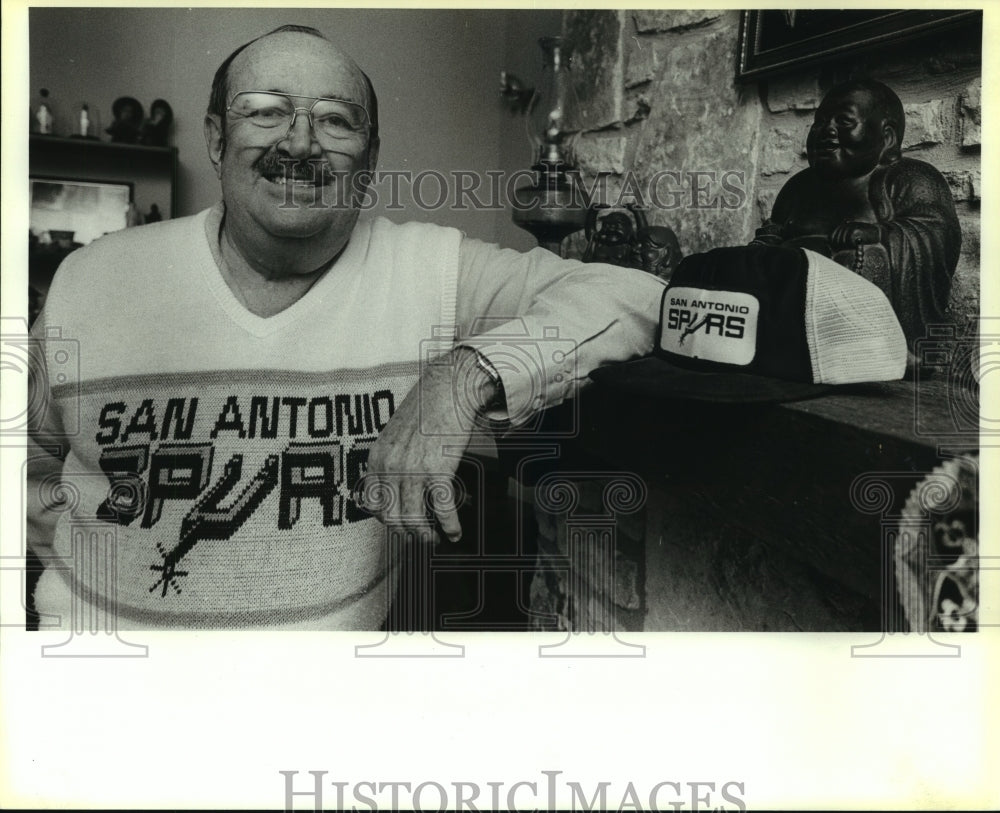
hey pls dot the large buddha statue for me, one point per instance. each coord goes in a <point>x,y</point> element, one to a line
<point>890,218</point>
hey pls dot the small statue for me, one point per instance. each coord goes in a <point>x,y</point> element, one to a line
<point>86,122</point>
<point>154,129</point>
<point>891,219</point>
<point>44,114</point>
<point>612,242</point>
<point>133,217</point>
<point>612,239</point>
<point>127,113</point>
<point>656,249</point>
<point>154,215</point>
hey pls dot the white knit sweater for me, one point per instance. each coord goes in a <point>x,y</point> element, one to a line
<point>229,466</point>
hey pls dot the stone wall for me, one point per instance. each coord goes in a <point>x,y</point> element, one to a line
<point>591,543</point>
<point>616,554</point>
<point>656,94</point>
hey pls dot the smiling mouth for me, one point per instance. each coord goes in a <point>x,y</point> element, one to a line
<point>827,146</point>
<point>294,174</point>
<point>295,180</point>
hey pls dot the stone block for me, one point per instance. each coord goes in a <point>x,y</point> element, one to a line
<point>796,93</point>
<point>597,73</point>
<point>926,124</point>
<point>563,602</point>
<point>969,221</point>
<point>699,124</point>
<point>637,107</point>
<point>651,21</point>
<point>964,184</point>
<point>780,153</point>
<point>548,603</point>
<point>964,303</point>
<point>971,108</point>
<point>642,63</point>
<point>628,590</point>
<point>958,183</point>
<point>601,153</point>
<point>765,203</point>
<point>975,185</point>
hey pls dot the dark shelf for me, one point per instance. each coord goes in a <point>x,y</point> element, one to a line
<point>86,144</point>
<point>86,159</point>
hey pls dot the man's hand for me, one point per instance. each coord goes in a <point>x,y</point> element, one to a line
<point>409,478</point>
<point>849,233</point>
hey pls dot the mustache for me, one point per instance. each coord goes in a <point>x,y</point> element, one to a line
<point>271,165</point>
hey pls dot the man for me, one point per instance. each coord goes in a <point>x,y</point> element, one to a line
<point>247,403</point>
<point>858,190</point>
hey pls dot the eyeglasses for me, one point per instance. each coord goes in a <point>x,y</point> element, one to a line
<point>332,120</point>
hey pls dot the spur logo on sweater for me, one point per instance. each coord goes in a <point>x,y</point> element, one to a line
<point>711,325</point>
<point>218,500</point>
<point>186,469</point>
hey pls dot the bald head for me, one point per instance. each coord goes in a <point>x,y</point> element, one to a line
<point>885,105</point>
<point>221,87</point>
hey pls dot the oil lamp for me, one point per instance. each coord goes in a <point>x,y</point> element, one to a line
<point>551,207</point>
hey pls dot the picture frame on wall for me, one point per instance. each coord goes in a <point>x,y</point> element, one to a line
<point>65,214</point>
<point>70,213</point>
<point>781,41</point>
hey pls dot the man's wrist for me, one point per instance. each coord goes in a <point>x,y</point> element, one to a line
<point>479,377</point>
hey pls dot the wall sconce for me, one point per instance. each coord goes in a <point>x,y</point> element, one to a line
<point>551,208</point>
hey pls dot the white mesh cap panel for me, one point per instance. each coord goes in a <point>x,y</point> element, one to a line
<point>852,331</point>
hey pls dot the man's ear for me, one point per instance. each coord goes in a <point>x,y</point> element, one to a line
<point>215,140</point>
<point>890,143</point>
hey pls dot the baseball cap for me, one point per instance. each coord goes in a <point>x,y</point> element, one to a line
<point>764,323</point>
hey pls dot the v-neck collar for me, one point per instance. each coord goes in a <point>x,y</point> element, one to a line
<point>348,261</point>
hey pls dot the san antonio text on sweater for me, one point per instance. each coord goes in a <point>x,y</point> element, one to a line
<point>255,416</point>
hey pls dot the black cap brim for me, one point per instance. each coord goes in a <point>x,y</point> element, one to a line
<point>655,378</point>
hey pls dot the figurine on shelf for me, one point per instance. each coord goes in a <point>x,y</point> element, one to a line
<point>133,217</point>
<point>154,129</point>
<point>86,123</point>
<point>891,219</point>
<point>154,215</point>
<point>614,240</point>
<point>128,119</point>
<point>610,239</point>
<point>656,249</point>
<point>43,115</point>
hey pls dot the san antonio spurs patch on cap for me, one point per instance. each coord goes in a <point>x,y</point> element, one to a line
<point>711,325</point>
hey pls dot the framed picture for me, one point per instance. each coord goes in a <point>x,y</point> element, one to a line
<point>784,40</point>
<point>69,213</point>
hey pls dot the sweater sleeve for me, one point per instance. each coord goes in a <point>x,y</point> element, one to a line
<point>545,323</point>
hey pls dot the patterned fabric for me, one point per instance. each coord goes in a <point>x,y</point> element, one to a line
<point>937,565</point>
<point>229,493</point>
